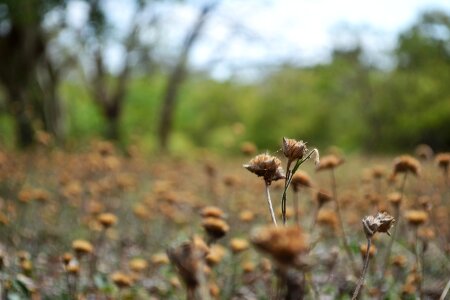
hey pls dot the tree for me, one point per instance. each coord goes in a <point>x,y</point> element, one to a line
<point>178,75</point>
<point>27,73</point>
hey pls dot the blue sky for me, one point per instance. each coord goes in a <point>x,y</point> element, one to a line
<point>270,31</point>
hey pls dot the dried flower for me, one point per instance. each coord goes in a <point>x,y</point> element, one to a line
<point>406,164</point>
<point>138,265</point>
<point>395,198</point>
<point>266,166</point>
<point>416,217</point>
<point>246,216</point>
<point>300,179</point>
<point>424,152</point>
<point>443,160</point>
<point>107,220</point>
<point>322,197</point>
<point>329,162</point>
<point>82,247</point>
<point>293,149</point>
<point>212,211</point>
<point>216,228</point>
<point>238,245</point>
<point>159,259</point>
<point>382,222</point>
<point>121,280</point>
<point>284,244</point>
<point>363,250</point>
<point>248,148</point>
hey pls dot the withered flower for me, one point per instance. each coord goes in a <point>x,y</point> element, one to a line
<point>322,197</point>
<point>443,160</point>
<point>212,212</point>
<point>300,179</point>
<point>266,166</point>
<point>121,280</point>
<point>216,228</point>
<point>138,265</point>
<point>329,162</point>
<point>238,245</point>
<point>188,259</point>
<point>284,244</point>
<point>107,220</point>
<point>424,152</point>
<point>406,164</point>
<point>416,217</point>
<point>382,222</point>
<point>82,247</point>
<point>293,149</point>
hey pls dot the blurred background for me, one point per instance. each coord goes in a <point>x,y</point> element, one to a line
<point>367,76</point>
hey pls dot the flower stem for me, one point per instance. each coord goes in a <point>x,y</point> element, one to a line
<point>269,201</point>
<point>364,270</point>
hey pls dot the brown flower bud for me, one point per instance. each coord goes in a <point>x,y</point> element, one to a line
<point>382,222</point>
<point>293,149</point>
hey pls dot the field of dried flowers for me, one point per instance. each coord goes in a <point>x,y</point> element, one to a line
<point>99,224</point>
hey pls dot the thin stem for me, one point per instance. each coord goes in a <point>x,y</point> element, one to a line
<point>418,264</point>
<point>288,180</point>
<point>296,201</point>
<point>364,270</point>
<point>269,201</point>
<point>445,291</point>
<point>341,223</point>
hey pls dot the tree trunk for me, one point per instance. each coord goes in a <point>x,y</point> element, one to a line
<point>177,77</point>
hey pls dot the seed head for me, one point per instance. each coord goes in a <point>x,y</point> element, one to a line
<point>322,197</point>
<point>121,280</point>
<point>284,244</point>
<point>214,227</point>
<point>82,247</point>
<point>238,245</point>
<point>213,212</point>
<point>329,162</point>
<point>300,179</point>
<point>138,265</point>
<point>416,217</point>
<point>266,166</point>
<point>424,152</point>
<point>443,160</point>
<point>382,222</point>
<point>405,164</point>
<point>293,149</point>
<point>107,220</point>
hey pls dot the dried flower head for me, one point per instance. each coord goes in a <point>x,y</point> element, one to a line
<point>300,179</point>
<point>406,164</point>
<point>188,260</point>
<point>121,280</point>
<point>82,247</point>
<point>238,245</point>
<point>424,152</point>
<point>378,172</point>
<point>248,148</point>
<point>443,160</point>
<point>159,259</point>
<point>322,197</point>
<point>382,222</point>
<point>395,198</point>
<point>138,265</point>
<point>216,228</point>
<point>327,217</point>
<point>284,244</point>
<point>107,220</point>
<point>293,149</point>
<point>212,211</point>
<point>416,217</point>
<point>266,166</point>
<point>215,255</point>
<point>66,258</point>
<point>363,250</point>
<point>246,216</point>
<point>329,162</point>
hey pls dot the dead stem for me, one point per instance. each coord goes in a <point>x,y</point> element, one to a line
<point>269,201</point>
<point>364,270</point>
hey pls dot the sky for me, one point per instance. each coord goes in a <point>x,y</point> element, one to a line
<point>243,34</point>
